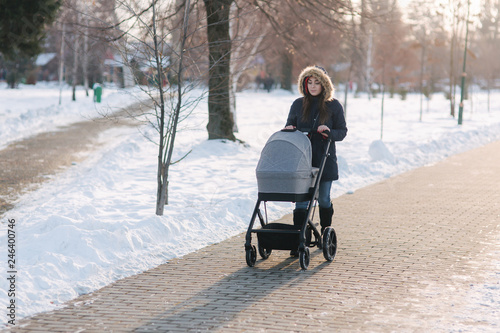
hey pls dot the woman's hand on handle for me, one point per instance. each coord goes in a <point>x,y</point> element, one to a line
<point>324,130</point>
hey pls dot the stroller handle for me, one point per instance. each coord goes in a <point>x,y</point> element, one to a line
<point>295,129</point>
<point>307,131</point>
<point>328,134</point>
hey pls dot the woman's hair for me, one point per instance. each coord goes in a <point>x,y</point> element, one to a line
<point>306,107</point>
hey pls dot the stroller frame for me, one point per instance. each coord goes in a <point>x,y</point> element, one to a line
<point>327,242</point>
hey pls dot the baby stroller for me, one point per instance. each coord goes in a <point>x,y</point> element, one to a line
<point>285,173</point>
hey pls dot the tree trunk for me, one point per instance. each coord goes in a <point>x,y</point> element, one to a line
<point>286,70</point>
<point>75,68</point>
<point>220,120</point>
<point>168,130</point>
<point>61,62</point>
<point>85,63</point>
<point>347,87</point>
<point>452,64</point>
<point>382,104</point>
<point>362,50</point>
<point>422,69</point>
<point>451,85</point>
<point>369,69</point>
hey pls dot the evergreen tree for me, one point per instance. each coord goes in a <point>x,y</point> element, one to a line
<point>22,25</point>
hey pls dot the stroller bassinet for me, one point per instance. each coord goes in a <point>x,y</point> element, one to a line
<point>284,171</point>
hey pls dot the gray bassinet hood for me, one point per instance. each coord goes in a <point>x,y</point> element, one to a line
<point>285,164</point>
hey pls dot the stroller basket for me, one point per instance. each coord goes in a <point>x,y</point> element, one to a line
<point>287,239</point>
<point>284,171</point>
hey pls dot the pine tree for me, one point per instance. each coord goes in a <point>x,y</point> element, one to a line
<point>22,25</point>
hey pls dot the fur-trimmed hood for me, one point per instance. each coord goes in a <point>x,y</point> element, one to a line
<point>322,76</point>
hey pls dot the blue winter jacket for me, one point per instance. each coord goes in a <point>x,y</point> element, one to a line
<point>336,123</point>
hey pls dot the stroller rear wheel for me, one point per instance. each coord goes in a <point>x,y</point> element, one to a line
<point>264,253</point>
<point>329,243</point>
<point>251,256</point>
<point>304,258</point>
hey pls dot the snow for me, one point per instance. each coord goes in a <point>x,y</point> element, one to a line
<point>95,222</point>
<point>31,110</point>
<point>44,58</point>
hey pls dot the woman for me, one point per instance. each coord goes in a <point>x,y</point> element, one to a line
<point>318,112</point>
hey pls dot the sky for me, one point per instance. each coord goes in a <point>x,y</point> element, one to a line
<point>475,4</point>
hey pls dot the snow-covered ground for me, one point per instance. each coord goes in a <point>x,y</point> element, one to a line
<point>95,222</point>
<point>31,110</point>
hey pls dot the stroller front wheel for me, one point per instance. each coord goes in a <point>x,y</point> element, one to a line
<point>329,243</point>
<point>304,258</point>
<point>251,256</point>
<point>264,253</point>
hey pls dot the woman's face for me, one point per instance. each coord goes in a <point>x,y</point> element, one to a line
<point>313,86</point>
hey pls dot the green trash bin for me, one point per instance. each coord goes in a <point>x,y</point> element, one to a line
<point>97,93</point>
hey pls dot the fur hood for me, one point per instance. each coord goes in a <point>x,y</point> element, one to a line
<point>320,74</point>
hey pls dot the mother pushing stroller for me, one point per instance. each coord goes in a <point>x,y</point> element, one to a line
<point>318,112</point>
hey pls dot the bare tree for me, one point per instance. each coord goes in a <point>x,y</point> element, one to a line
<point>85,59</point>
<point>285,18</point>
<point>168,129</point>
<point>74,70</point>
<point>61,59</point>
<point>297,27</point>
<point>488,44</point>
<point>386,47</point>
<point>420,16</point>
<point>141,32</point>
<point>71,38</point>
<point>458,19</point>
<point>80,37</point>
<point>247,32</point>
<point>220,120</point>
<point>147,42</point>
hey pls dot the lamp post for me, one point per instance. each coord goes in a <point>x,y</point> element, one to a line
<point>464,74</point>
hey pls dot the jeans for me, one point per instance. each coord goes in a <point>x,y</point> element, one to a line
<point>323,196</point>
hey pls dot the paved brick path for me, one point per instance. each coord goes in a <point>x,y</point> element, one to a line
<point>411,250</point>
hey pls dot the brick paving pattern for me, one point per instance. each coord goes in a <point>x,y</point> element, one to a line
<point>410,250</point>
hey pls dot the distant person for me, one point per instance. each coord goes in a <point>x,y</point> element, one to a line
<point>260,79</point>
<point>268,83</point>
<point>318,112</point>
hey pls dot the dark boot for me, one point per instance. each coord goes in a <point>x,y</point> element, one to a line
<point>299,216</point>
<point>325,217</point>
